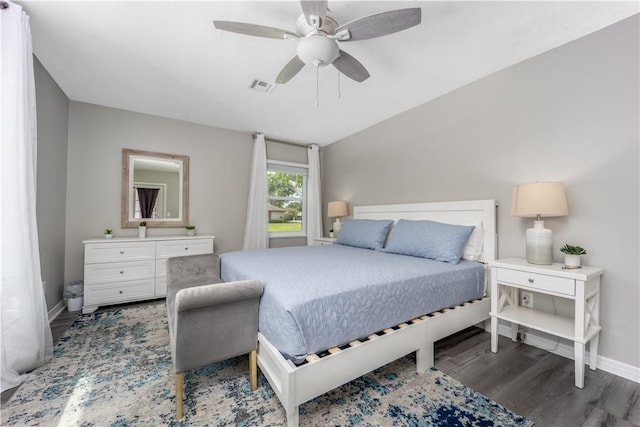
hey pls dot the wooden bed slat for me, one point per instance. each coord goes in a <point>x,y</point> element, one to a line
<point>312,358</point>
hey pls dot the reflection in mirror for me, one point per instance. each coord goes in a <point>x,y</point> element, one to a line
<point>155,189</point>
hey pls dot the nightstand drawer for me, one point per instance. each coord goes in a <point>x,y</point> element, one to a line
<point>323,241</point>
<point>535,281</point>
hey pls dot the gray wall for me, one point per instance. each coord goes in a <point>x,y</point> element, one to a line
<point>79,177</point>
<point>53,113</point>
<point>219,162</point>
<point>570,115</point>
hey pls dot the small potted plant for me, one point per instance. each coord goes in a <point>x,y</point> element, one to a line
<point>191,230</point>
<point>142,229</point>
<point>108,233</point>
<point>572,255</point>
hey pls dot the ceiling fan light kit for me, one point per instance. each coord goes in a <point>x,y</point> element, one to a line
<point>318,34</point>
<point>317,50</point>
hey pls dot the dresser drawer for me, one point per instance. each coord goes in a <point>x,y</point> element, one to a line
<point>113,252</point>
<point>161,287</point>
<point>535,281</point>
<point>119,271</point>
<point>172,248</point>
<point>113,293</point>
<point>161,267</point>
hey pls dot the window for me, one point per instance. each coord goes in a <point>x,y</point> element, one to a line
<point>287,184</point>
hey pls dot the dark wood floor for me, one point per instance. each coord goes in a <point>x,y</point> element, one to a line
<point>537,384</point>
<point>529,381</point>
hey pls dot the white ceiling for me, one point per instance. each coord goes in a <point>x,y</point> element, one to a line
<point>166,58</point>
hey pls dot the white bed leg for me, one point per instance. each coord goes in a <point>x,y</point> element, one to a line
<point>494,334</point>
<point>424,358</point>
<point>293,417</point>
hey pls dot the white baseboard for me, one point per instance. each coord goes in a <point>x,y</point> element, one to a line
<point>56,310</point>
<point>565,349</point>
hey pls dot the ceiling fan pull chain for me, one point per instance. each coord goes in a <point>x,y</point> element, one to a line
<point>317,85</point>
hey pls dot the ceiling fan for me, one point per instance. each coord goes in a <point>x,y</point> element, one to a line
<point>318,34</point>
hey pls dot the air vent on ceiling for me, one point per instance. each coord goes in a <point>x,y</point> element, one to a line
<point>261,86</point>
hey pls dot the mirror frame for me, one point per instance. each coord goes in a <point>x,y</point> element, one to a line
<point>127,185</point>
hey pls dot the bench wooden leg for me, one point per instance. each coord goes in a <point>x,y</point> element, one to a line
<point>253,369</point>
<point>179,393</point>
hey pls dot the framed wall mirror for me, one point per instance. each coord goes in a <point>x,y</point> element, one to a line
<point>155,189</point>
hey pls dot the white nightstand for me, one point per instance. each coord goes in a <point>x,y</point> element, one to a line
<point>324,240</point>
<point>509,276</point>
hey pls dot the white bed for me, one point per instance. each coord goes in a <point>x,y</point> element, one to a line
<point>297,384</point>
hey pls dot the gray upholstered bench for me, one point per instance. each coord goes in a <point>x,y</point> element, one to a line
<point>209,320</point>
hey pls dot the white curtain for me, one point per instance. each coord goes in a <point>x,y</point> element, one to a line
<point>314,207</point>
<point>256,232</point>
<point>26,336</point>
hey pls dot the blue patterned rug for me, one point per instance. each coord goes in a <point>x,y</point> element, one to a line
<point>114,369</point>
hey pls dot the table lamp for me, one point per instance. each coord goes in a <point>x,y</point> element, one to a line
<point>539,199</point>
<point>335,210</point>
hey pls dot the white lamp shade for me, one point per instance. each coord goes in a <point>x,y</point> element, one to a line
<point>539,198</point>
<point>337,209</point>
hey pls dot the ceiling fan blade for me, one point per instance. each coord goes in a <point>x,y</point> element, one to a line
<point>379,24</point>
<point>315,11</point>
<point>292,68</point>
<point>254,30</point>
<point>350,67</point>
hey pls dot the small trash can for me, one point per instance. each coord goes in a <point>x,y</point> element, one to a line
<point>73,294</point>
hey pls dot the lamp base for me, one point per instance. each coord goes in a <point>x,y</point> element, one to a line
<point>539,244</point>
<point>337,226</point>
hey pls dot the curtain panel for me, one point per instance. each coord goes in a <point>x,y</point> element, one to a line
<point>256,231</point>
<point>25,333</point>
<point>147,199</point>
<point>314,207</point>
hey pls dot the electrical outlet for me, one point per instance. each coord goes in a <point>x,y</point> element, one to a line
<point>521,336</point>
<point>526,299</point>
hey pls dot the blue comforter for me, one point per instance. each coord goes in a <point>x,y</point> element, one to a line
<point>317,297</point>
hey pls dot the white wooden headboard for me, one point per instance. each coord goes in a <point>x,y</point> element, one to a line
<point>466,212</point>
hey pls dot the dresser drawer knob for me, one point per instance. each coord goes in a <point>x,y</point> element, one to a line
<point>530,280</point>
<point>121,271</point>
<point>186,249</point>
<point>122,252</point>
<point>121,292</point>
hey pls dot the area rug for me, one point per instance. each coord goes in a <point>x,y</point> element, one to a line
<point>114,369</point>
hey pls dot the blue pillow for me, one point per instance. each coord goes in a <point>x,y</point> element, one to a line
<point>429,239</point>
<point>364,233</point>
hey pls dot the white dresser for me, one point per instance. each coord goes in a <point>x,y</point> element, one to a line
<point>129,269</point>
